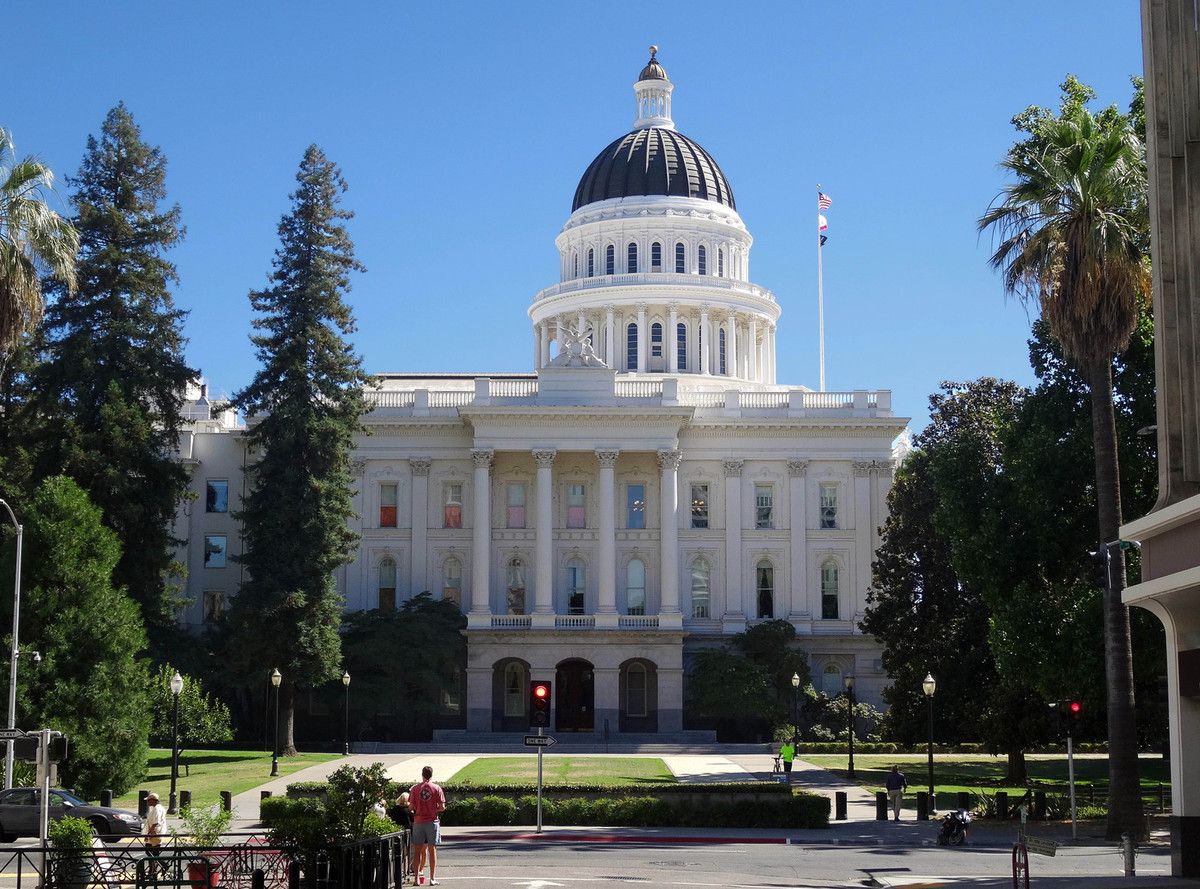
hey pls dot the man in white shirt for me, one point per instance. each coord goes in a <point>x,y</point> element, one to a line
<point>156,828</point>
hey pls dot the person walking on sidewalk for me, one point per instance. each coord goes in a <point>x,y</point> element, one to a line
<point>427,801</point>
<point>787,752</point>
<point>896,785</point>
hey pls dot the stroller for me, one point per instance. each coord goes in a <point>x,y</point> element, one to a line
<point>955,825</point>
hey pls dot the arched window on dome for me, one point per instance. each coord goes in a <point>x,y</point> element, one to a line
<point>574,265</point>
<point>656,340</point>
<point>681,347</point>
<point>610,260</point>
<point>764,577</point>
<point>720,263</point>
<point>591,262</point>
<point>680,258</point>
<point>721,351</point>
<point>631,258</point>
<point>656,257</point>
<point>631,335</point>
<point>703,261</point>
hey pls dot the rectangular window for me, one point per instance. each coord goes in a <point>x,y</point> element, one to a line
<point>216,495</point>
<point>516,586</point>
<point>656,340</point>
<point>681,347</point>
<point>631,356</point>
<point>764,507</point>
<point>387,505</point>
<point>699,589</point>
<point>214,605</point>
<point>635,506</point>
<point>656,257</point>
<point>576,579</point>
<point>632,258</point>
<point>214,551</point>
<point>516,506</point>
<point>829,506</point>
<point>680,259</point>
<point>699,506</point>
<point>829,592</point>
<point>452,517</point>
<point>452,589</point>
<point>576,506</point>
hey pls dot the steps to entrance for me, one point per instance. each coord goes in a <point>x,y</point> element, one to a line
<point>567,742</point>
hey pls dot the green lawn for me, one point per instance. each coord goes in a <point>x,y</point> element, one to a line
<point>522,770</point>
<point>211,771</point>
<point>957,772</point>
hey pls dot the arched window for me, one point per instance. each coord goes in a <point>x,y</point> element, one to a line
<point>631,333</point>
<point>515,586</point>
<point>656,257</point>
<point>764,582</point>
<point>631,258</point>
<point>576,585</point>
<point>574,265</point>
<point>721,351</point>
<point>656,340</point>
<point>635,587</point>
<point>680,258</point>
<point>831,680</point>
<point>635,690</point>
<point>452,588</point>
<point>387,585</point>
<point>681,347</point>
<point>699,588</point>
<point>516,690</point>
<point>720,263</point>
<point>591,262</point>
<point>610,260</point>
<point>829,591</point>
<point>703,260</point>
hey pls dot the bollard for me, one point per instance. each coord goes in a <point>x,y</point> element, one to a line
<point>1001,805</point>
<point>143,807</point>
<point>1127,853</point>
<point>964,799</point>
<point>185,799</point>
<point>1039,805</point>
<point>264,794</point>
<point>881,801</point>
<point>226,800</point>
<point>839,799</point>
<point>106,798</point>
<point>1162,798</point>
<point>922,805</point>
<point>293,873</point>
<point>258,879</point>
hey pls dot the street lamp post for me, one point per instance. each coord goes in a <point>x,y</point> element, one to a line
<point>795,708</point>
<point>849,682</point>
<point>276,678</point>
<point>346,731</point>
<point>929,686</point>
<point>176,688</point>
<point>16,651</point>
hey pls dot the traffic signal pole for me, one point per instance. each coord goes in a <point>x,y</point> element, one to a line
<point>1071,781</point>
<point>542,731</point>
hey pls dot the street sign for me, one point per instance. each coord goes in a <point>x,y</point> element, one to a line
<point>540,741</point>
<point>1041,847</point>
<point>12,734</point>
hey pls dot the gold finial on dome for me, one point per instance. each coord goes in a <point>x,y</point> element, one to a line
<point>654,69</point>
<point>653,51</point>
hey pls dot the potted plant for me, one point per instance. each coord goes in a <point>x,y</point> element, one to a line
<point>70,862</point>
<point>204,827</point>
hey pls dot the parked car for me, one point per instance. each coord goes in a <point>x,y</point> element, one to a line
<point>19,814</point>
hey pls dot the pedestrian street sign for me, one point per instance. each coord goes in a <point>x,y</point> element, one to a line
<point>12,734</point>
<point>540,741</point>
<point>1039,846</point>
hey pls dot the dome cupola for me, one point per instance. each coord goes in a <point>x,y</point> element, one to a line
<point>653,70</point>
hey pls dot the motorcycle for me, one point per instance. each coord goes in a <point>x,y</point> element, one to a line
<point>955,825</point>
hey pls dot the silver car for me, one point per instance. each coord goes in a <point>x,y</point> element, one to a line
<point>19,814</point>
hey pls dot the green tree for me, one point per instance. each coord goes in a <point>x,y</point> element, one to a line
<point>1071,231</point>
<point>92,681</point>
<point>306,404</point>
<point>110,389</point>
<point>34,242</point>
<point>734,694</point>
<point>203,719</point>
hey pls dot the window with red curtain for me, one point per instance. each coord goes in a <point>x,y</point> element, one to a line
<point>452,517</point>
<point>576,506</point>
<point>387,505</point>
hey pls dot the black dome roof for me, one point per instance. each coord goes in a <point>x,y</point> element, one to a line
<point>653,161</point>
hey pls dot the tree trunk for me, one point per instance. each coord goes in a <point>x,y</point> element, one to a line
<point>288,715</point>
<point>1125,801</point>
<point>1016,768</point>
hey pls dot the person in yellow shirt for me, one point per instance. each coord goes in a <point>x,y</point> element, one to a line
<point>787,752</point>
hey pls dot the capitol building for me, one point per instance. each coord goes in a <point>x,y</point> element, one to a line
<point>649,490</point>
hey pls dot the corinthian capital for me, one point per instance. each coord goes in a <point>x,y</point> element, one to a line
<point>544,457</point>
<point>733,468</point>
<point>607,458</point>
<point>670,459</point>
<point>420,465</point>
<point>797,467</point>
<point>483,457</point>
<point>862,467</point>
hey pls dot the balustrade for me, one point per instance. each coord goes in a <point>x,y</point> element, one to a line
<point>512,388</point>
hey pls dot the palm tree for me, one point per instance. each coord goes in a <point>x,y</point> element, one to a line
<point>1072,236</point>
<point>35,242</point>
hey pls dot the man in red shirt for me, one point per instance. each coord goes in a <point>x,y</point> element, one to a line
<point>427,801</point>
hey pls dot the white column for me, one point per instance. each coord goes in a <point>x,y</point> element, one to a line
<point>705,339</point>
<point>771,358</point>
<point>752,356</point>
<point>670,340</point>
<point>641,338</point>
<point>606,612</point>
<point>481,532</point>
<point>735,612</point>
<point>798,537</point>
<point>731,346</point>
<point>610,354</point>
<point>668,536</point>
<point>420,523</point>
<point>544,336</point>
<point>856,601</point>
<point>543,553</point>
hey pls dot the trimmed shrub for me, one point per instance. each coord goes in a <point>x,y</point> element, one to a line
<point>495,810</point>
<point>526,812</point>
<point>460,811</point>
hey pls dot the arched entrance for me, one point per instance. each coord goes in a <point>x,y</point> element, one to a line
<point>574,697</point>
<point>510,695</point>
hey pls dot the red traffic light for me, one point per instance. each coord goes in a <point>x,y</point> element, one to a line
<point>540,691</point>
<point>1076,708</point>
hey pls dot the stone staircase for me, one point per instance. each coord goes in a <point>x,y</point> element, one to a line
<point>461,741</point>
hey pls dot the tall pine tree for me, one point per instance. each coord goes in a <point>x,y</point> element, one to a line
<point>111,385</point>
<point>305,405</point>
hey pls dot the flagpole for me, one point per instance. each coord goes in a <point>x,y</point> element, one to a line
<point>820,291</point>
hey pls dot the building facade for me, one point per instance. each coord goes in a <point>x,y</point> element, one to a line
<point>648,491</point>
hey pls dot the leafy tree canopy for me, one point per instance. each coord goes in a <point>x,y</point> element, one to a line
<point>203,719</point>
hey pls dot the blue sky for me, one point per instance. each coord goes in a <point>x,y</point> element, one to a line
<point>462,130</point>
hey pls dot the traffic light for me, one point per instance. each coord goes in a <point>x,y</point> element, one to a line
<point>1075,712</point>
<point>539,704</point>
<point>1099,558</point>
<point>58,748</point>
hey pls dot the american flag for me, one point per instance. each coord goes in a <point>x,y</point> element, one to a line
<point>823,201</point>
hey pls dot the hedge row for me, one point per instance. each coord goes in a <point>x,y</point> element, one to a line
<point>318,788</point>
<point>878,747</point>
